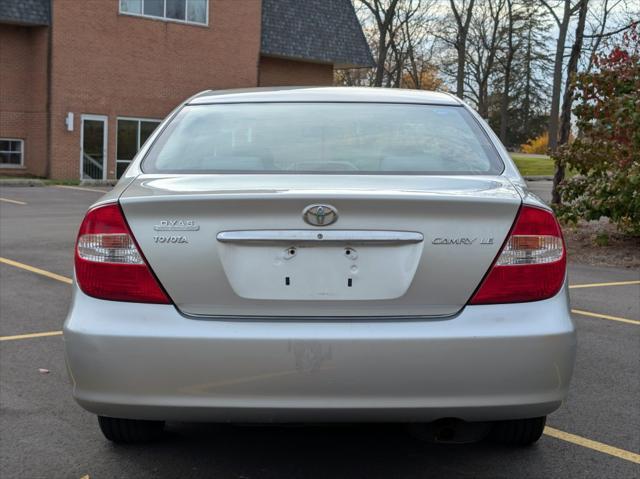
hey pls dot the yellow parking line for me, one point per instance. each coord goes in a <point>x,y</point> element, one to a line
<point>39,271</point>
<point>595,445</point>
<point>81,188</point>
<point>605,316</point>
<point>15,202</point>
<point>598,285</point>
<point>29,336</point>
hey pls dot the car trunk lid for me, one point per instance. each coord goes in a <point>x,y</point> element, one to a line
<point>401,246</point>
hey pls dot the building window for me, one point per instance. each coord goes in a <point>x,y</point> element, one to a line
<point>132,133</point>
<point>11,152</point>
<point>187,11</point>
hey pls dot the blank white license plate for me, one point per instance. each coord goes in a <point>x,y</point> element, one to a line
<point>320,271</point>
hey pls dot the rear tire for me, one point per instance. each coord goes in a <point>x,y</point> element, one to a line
<point>518,432</point>
<point>129,431</point>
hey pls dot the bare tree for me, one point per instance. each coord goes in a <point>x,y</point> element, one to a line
<point>503,61</point>
<point>410,18</point>
<point>421,47</point>
<point>600,28</point>
<point>384,13</point>
<point>487,33</point>
<point>563,22</point>
<point>565,120</point>
<point>603,13</point>
<point>390,27</point>
<point>462,17</point>
<point>508,62</point>
<point>419,37</point>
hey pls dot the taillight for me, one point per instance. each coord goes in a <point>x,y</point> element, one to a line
<point>109,264</point>
<point>532,263</point>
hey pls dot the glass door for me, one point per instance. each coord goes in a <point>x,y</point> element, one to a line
<point>93,147</point>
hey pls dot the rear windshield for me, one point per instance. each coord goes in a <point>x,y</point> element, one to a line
<point>343,138</point>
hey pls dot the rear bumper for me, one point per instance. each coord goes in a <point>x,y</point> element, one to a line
<point>487,363</point>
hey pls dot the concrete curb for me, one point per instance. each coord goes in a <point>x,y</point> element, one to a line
<point>539,178</point>
<point>22,182</point>
<point>98,182</point>
<point>38,182</point>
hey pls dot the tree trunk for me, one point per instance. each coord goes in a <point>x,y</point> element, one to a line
<point>461,43</point>
<point>399,71</point>
<point>483,99</point>
<point>384,20</point>
<point>382,59</point>
<point>491,47</point>
<point>462,53</point>
<point>567,101</point>
<point>504,104</point>
<point>557,76</point>
<point>526,105</point>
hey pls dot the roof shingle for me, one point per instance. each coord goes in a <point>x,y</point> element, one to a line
<point>25,12</point>
<point>325,31</point>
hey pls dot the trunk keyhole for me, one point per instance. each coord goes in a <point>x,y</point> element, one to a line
<point>350,253</point>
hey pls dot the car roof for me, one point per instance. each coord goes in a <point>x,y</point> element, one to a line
<point>324,94</point>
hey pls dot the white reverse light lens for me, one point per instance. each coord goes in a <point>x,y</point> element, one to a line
<point>109,248</point>
<point>531,249</point>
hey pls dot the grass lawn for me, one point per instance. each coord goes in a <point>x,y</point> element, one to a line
<point>533,165</point>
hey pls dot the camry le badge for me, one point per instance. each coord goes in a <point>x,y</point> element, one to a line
<point>461,241</point>
<point>320,215</point>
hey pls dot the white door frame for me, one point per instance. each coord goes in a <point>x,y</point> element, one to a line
<point>105,141</point>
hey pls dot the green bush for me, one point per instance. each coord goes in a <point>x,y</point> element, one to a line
<point>606,153</point>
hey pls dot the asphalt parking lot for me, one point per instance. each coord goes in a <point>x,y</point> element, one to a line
<point>44,434</point>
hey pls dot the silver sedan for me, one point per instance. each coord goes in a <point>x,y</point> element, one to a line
<point>321,254</point>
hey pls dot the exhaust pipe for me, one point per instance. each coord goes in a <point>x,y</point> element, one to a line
<point>450,431</point>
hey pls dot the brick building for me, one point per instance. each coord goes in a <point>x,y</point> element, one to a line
<point>84,83</point>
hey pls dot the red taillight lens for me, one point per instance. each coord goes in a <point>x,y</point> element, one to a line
<point>532,263</point>
<point>109,264</point>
